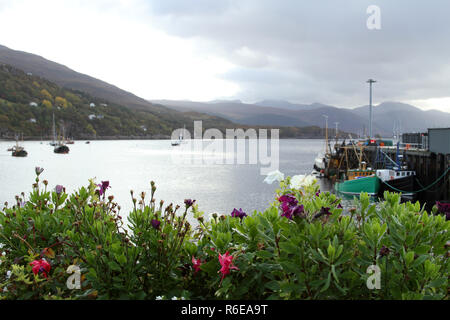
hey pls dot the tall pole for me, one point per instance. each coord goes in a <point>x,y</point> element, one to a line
<point>370,81</point>
<point>336,123</point>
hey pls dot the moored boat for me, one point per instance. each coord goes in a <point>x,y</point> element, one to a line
<point>61,148</point>
<point>358,181</point>
<point>398,181</point>
<point>18,151</point>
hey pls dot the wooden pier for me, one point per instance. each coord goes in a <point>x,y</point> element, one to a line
<point>428,166</point>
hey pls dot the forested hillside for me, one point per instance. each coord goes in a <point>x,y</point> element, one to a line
<point>28,102</point>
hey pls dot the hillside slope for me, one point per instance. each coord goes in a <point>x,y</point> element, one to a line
<point>28,102</point>
<point>68,78</point>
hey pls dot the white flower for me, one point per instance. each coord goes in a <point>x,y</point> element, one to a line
<point>158,298</point>
<point>274,176</point>
<point>8,274</point>
<point>174,298</point>
<point>300,181</point>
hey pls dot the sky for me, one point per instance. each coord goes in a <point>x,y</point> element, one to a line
<point>200,50</point>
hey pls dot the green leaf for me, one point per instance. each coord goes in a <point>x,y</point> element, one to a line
<point>273,285</point>
<point>264,254</point>
<point>409,257</point>
<point>327,283</point>
<point>114,266</point>
<point>439,282</point>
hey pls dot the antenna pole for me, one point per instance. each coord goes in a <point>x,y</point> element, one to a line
<point>370,81</point>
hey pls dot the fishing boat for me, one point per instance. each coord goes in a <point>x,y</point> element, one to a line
<point>359,180</point>
<point>396,177</point>
<point>397,181</point>
<point>320,162</point>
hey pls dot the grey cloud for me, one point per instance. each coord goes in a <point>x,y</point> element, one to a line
<point>321,50</point>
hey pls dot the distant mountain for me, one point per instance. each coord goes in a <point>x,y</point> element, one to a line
<point>405,117</point>
<point>288,105</point>
<point>252,114</point>
<point>386,116</point>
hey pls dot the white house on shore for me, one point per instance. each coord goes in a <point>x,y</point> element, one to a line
<point>33,104</point>
<point>32,120</point>
<point>93,116</point>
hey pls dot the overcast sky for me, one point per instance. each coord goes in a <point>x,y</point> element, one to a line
<point>301,51</point>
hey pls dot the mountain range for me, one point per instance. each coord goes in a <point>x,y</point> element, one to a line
<point>33,88</point>
<point>387,116</point>
<point>163,116</point>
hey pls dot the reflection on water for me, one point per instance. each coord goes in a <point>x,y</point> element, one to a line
<point>132,164</point>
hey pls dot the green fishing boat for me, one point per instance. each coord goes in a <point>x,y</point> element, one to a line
<point>359,181</point>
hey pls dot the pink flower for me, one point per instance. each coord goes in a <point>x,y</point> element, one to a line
<point>226,261</point>
<point>197,263</point>
<point>40,266</point>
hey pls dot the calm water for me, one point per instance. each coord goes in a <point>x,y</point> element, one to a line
<point>132,164</point>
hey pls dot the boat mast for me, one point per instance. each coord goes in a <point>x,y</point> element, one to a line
<point>54,129</point>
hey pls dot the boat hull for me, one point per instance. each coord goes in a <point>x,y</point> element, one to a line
<point>19,153</point>
<point>371,185</point>
<point>61,149</point>
<point>406,184</point>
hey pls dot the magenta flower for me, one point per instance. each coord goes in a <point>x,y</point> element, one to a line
<point>238,213</point>
<point>323,211</point>
<point>155,223</point>
<point>59,189</point>
<point>226,261</point>
<point>196,264</point>
<point>289,198</point>
<point>40,266</point>
<point>102,187</point>
<point>443,207</point>
<point>384,251</point>
<point>189,203</point>
<point>289,206</point>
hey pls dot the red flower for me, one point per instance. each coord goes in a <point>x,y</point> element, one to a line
<point>197,263</point>
<point>40,266</point>
<point>226,261</point>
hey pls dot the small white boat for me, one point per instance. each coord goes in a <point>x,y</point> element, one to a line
<point>320,162</point>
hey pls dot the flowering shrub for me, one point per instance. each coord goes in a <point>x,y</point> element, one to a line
<point>304,246</point>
